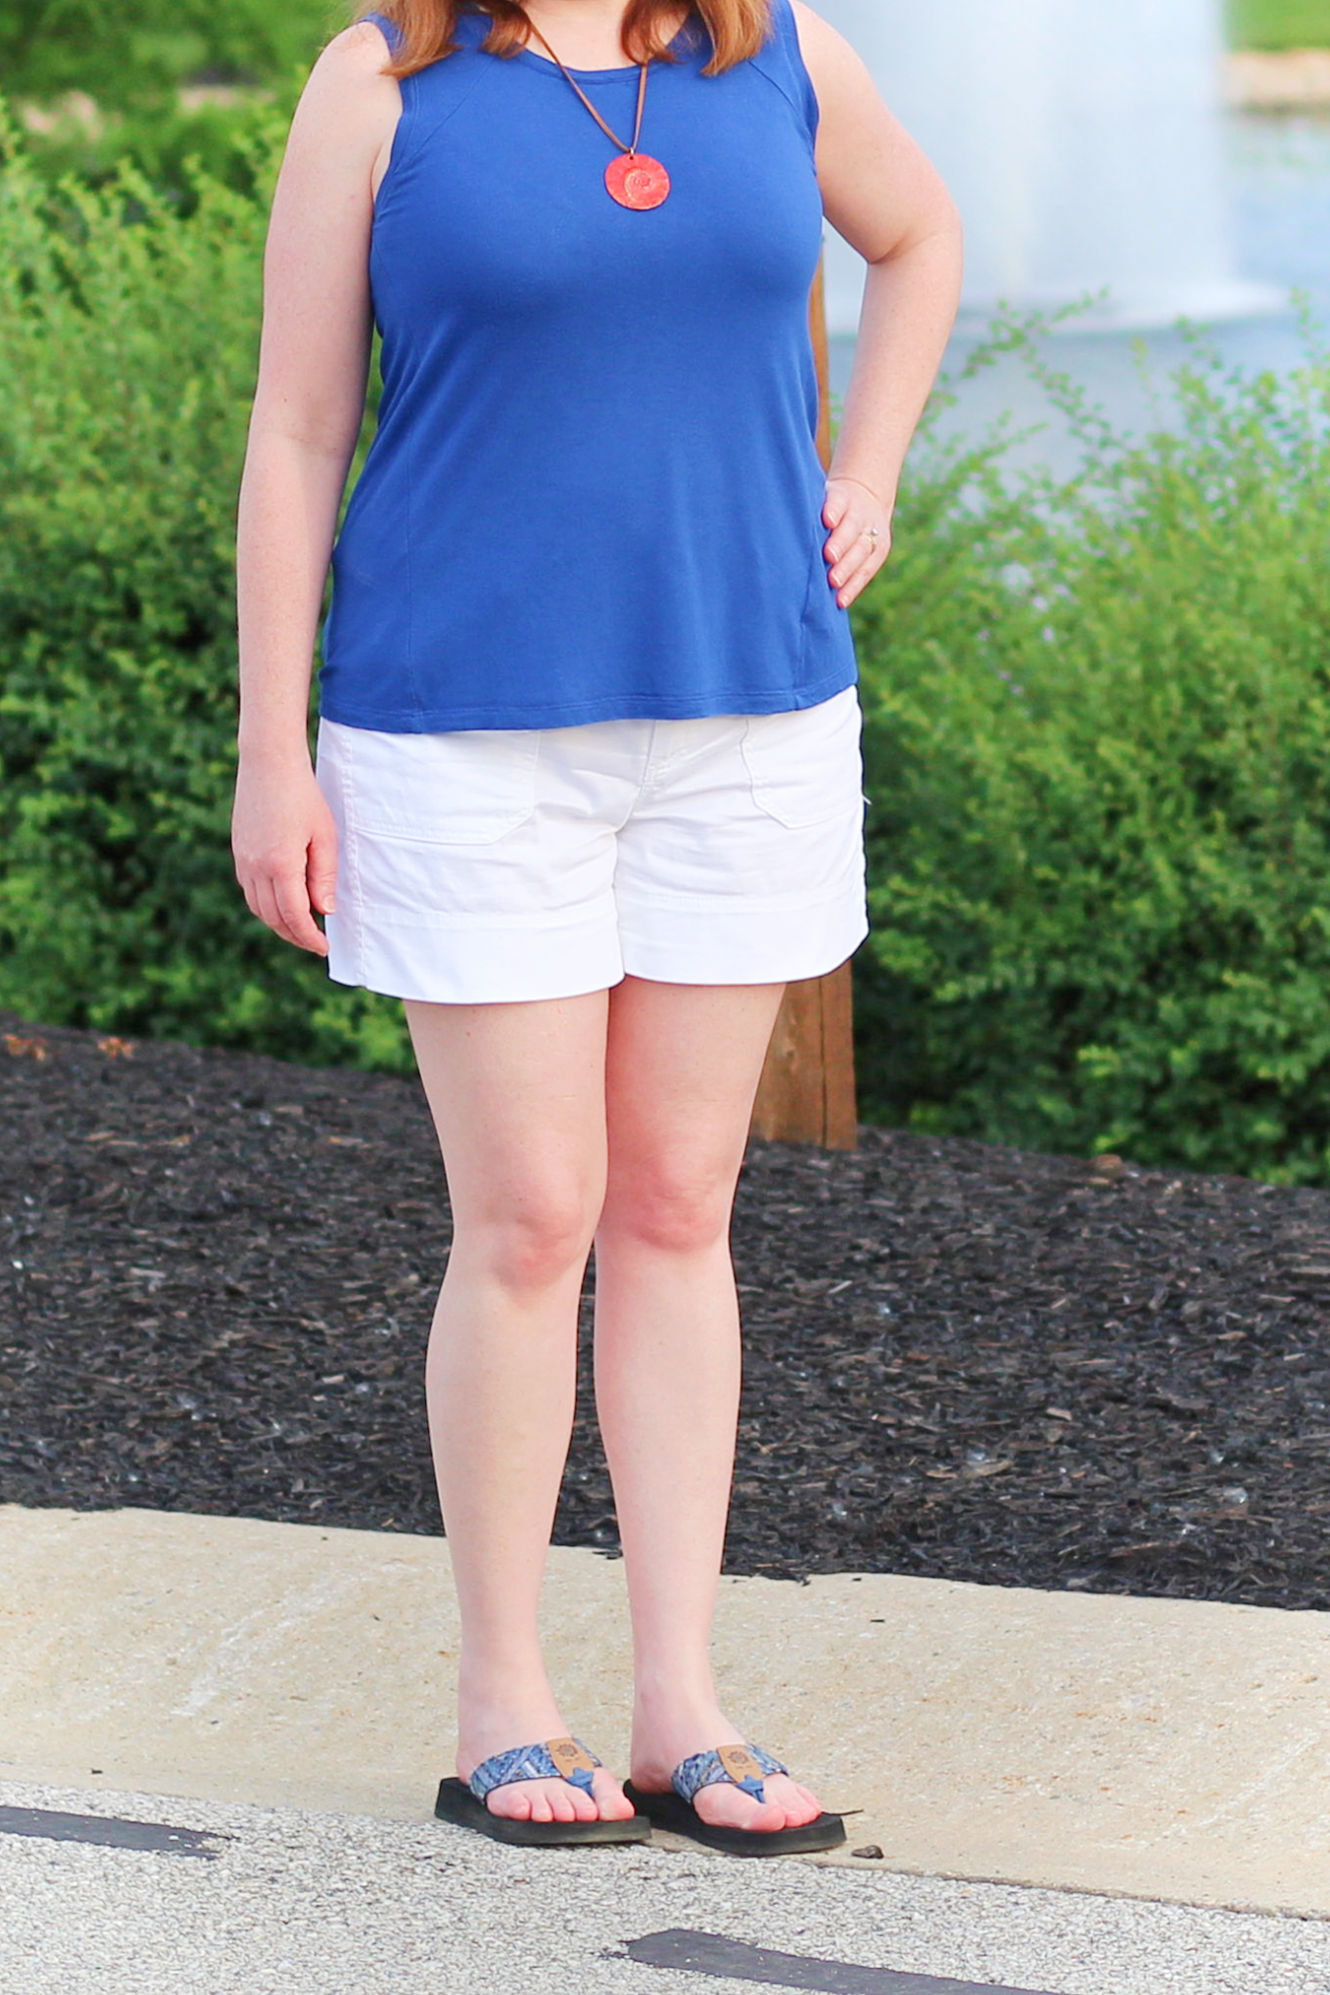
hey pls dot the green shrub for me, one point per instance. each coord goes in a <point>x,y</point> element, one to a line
<point>130,330</point>
<point>138,53</point>
<point>133,64</point>
<point>168,143</point>
<point>1280,24</point>
<point>1098,744</point>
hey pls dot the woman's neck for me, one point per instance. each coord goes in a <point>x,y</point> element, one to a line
<point>586,34</point>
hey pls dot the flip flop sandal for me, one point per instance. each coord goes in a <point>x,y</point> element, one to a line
<point>744,1766</point>
<point>463,1801</point>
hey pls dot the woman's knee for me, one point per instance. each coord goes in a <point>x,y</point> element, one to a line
<point>531,1241</point>
<point>681,1207</point>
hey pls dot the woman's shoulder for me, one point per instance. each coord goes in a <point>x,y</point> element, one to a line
<point>386,34</point>
<point>821,46</point>
<point>350,60</point>
<point>364,48</point>
<point>348,109</point>
<point>380,30</point>
<point>782,59</point>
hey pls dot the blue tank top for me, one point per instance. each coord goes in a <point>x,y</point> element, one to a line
<point>594,490</point>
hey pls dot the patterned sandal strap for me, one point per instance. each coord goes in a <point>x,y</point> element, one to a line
<point>744,1765</point>
<point>552,1759</point>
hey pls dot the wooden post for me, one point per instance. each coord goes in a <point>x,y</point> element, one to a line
<point>807,1090</point>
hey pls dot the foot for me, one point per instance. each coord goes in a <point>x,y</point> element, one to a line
<point>663,1736</point>
<point>498,1728</point>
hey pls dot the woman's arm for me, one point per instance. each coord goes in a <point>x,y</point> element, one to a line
<point>308,407</point>
<point>881,193</point>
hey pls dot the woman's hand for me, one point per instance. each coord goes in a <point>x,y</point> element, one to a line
<point>853,513</point>
<point>285,847</point>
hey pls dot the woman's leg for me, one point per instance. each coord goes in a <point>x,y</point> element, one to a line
<point>682,1068</point>
<point>518,1100</point>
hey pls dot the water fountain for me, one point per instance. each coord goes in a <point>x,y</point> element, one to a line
<point>1081,139</point>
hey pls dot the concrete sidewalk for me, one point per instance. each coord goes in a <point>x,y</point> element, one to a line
<point>290,1902</point>
<point>1160,1749</point>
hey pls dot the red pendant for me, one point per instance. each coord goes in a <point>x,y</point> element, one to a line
<point>637,181</point>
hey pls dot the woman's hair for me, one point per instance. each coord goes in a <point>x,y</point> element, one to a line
<point>738,29</point>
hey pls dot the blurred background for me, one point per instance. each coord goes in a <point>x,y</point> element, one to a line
<point>1094,675</point>
<point>1161,160</point>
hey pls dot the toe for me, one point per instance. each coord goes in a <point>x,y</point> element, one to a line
<point>512,1803</point>
<point>799,1803</point>
<point>784,1805</point>
<point>728,1807</point>
<point>563,1801</point>
<point>559,1801</point>
<point>611,1801</point>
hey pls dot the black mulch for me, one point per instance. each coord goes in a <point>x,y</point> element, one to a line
<point>962,1361</point>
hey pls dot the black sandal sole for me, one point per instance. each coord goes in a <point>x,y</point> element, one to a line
<point>667,1811</point>
<point>458,1805</point>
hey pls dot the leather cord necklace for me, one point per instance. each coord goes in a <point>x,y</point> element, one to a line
<point>635,179</point>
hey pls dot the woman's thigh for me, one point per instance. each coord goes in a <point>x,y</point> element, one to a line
<point>682,1066</point>
<point>517,1093</point>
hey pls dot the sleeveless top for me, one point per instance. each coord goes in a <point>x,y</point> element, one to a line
<point>594,490</point>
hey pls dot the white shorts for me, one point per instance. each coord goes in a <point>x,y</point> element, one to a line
<point>492,864</point>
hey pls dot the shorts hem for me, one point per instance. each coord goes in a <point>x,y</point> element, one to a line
<point>476,964</point>
<point>674,962</point>
<point>745,950</point>
<point>487,995</point>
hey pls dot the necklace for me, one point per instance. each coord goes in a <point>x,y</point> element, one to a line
<point>635,179</point>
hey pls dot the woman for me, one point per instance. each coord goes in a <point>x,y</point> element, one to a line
<point>588,787</point>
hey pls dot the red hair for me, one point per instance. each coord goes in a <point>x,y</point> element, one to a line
<point>738,29</point>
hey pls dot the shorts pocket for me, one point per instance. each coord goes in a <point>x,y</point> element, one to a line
<point>805,767</point>
<point>470,786</point>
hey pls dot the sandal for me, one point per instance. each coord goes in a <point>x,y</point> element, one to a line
<point>463,1801</point>
<point>744,1766</point>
